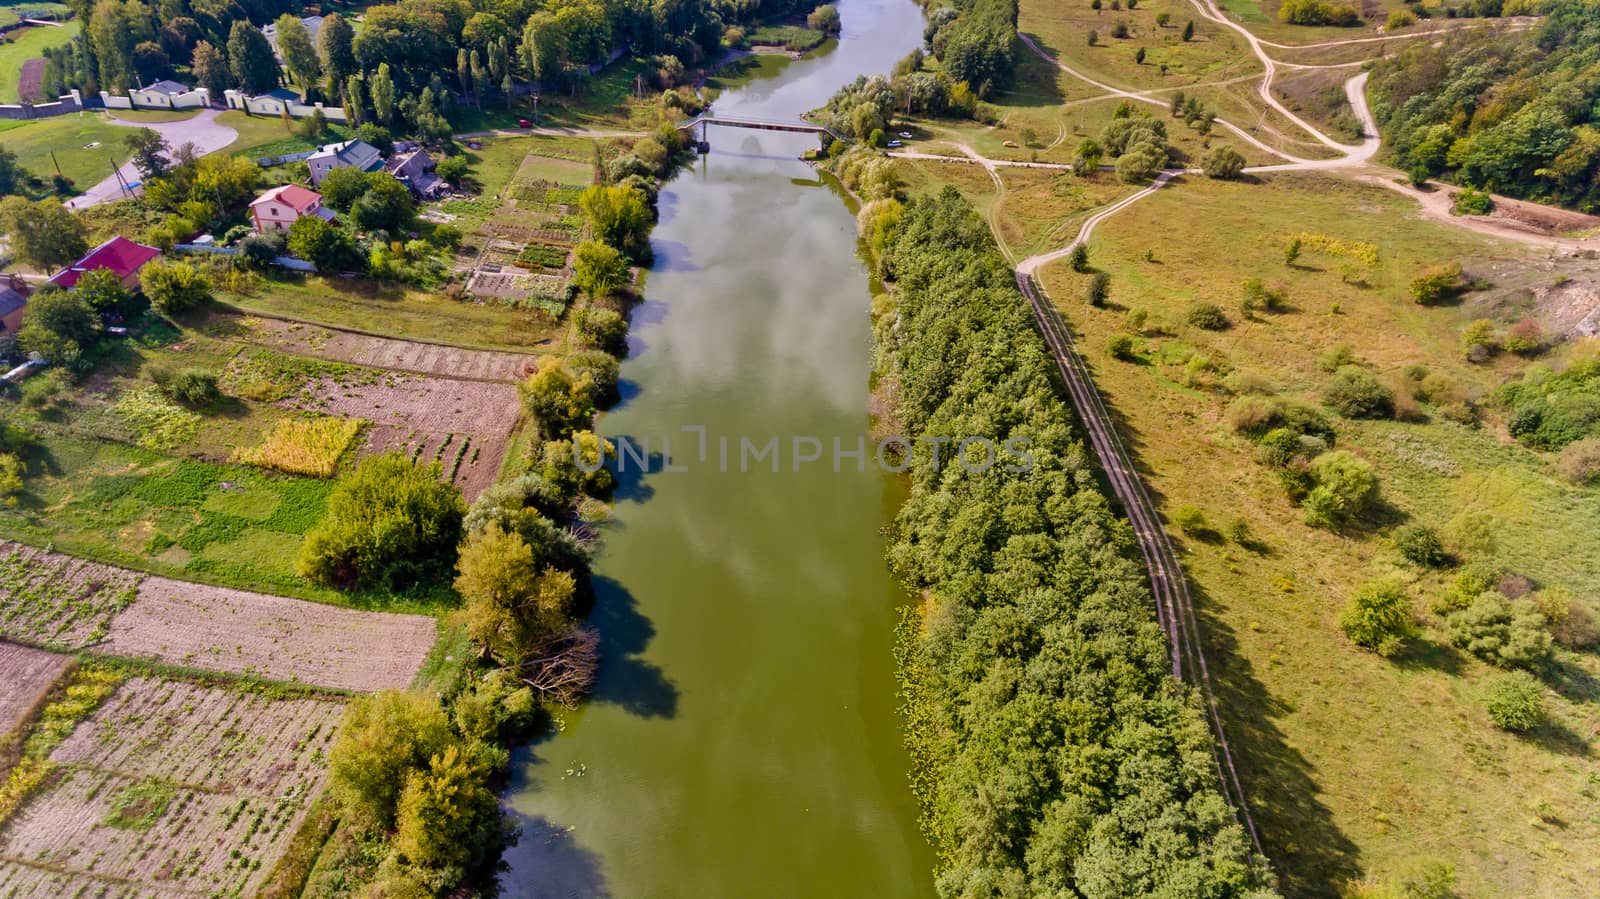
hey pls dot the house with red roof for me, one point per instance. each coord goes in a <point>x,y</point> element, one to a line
<point>281,207</point>
<point>119,254</point>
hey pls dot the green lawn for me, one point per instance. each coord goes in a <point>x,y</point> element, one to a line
<point>261,136</point>
<point>396,311</point>
<point>84,144</point>
<point>154,115</point>
<point>27,44</point>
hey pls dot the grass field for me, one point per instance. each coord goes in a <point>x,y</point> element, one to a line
<point>84,144</point>
<point>1215,53</point>
<point>29,43</point>
<point>396,311</point>
<point>261,136</point>
<point>1354,765</point>
<point>229,524</point>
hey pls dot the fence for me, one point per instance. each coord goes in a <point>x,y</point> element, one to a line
<point>68,103</point>
<point>198,98</point>
<point>288,262</point>
<point>275,103</point>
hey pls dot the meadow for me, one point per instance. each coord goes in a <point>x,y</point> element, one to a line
<point>84,145</point>
<point>26,44</point>
<point>1353,763</point>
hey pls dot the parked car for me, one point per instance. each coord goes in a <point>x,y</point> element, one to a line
<point>524,123</point>
<point>895,143</point>
<point>906,135</point>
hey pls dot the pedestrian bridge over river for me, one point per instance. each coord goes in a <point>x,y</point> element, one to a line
<point>793,125</point>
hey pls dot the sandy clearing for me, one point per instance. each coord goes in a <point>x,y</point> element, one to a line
<point>26,675</point>
<point>238,632</point>
<point>384,352</point>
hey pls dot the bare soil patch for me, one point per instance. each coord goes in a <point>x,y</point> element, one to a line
<point>58,600</point>
<point>234,631</point>
<point>171,788</point>
<point>26,675</point>
<point>1545,219</point>
<point>31,80</point>
<point>463,425</point>
<point>378,352</point>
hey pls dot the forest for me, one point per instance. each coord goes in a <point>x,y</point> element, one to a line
<point>413,61</point>
<point>1515,113</point>
<point>1054,754</point>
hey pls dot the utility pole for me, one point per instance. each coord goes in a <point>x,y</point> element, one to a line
<point>55,162</point>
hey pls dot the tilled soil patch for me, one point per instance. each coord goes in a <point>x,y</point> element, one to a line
<point>26,675</point>
<point>171,788</point>
<point>234,631</point>
<point>465,426</point>
<point>384,352</point>
<point>54,599</point>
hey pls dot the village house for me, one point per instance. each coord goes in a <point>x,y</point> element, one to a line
<point>270,32</point>
<point>414,168</point>
<point>356,154</point>
<point>163,93</point>
<point>13,300</point>
<point>281,207</point>
<point>119,254</point>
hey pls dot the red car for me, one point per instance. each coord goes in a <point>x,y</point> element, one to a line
<point>524,123</point>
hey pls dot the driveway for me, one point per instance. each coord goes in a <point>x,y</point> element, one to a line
<point>201,130</point>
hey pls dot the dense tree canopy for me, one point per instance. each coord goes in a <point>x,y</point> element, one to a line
<point>1512,112</point>
<point>390,524</point>
<point>1055,754</point>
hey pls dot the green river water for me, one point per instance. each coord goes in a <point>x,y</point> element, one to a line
<point>743,739</point>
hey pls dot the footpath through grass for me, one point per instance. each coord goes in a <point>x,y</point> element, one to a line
<point>26,44</point>
<point>1353,764</point>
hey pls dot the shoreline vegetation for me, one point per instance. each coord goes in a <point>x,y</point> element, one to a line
<point>1051,748</point>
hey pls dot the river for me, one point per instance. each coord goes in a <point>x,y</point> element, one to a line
<point>743,739</point>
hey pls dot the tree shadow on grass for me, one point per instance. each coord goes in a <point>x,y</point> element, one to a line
<point>1421,655</point>
<point>1309,852</point>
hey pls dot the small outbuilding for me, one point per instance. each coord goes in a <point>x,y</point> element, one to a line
<point>356,154</point>
<point>119,254</point>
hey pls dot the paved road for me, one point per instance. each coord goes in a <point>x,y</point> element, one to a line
<point>202,130</point>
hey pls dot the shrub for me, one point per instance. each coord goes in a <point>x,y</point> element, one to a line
<point>175,287</point>
<point>1355,393</point>
<point>1398,19</point>
<point>1420,545</point>
<point>1515,702</point>
<point>1378,617</point>
<point>1223,162</point>
<point>558,402</point>
<point>193,387</point>
<point>1525,338</point>
<point>605,330</point>
<point>1571,622</point>
<point>1336,357</point>
<point>390,524</point>
<point>1252,414</point>
<point>1120,346</point>
<point>383,736</point>
<point>1318,12</point>
<point>1099,289</point>
<point>1478,341</point>
<point>1580,461</point>
<point>1249,383</point>
<point>1471,202</point>
<point>1438,284</point>
<point>1504,632</point>
<point>452,169</point>
<point>1191,521</point>
<point>1343,489</point>
<point>1079,258</point>
<point>1208,316</point>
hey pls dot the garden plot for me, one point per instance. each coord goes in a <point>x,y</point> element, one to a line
<point>465,426</point>
<point>220,629</point>
<point>383,352</point>
<point>59,600</point>
<point>171,788</point>
<point>26,675</point>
